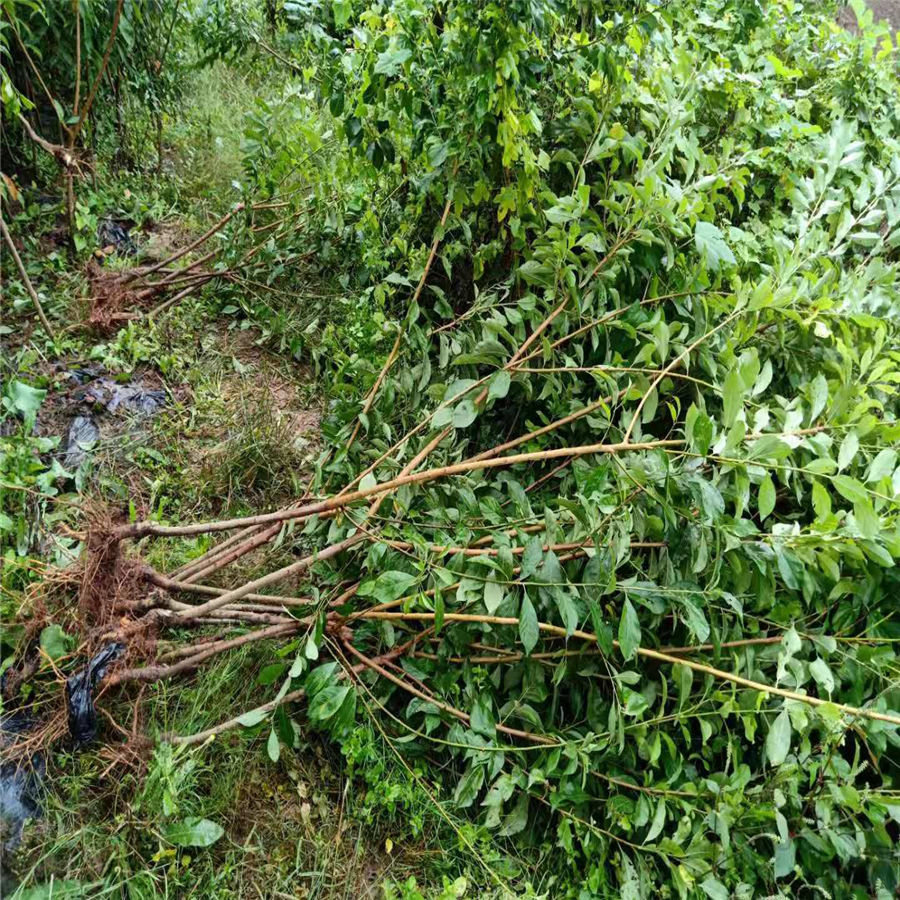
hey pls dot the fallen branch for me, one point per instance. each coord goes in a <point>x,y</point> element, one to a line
<point>647,653</point>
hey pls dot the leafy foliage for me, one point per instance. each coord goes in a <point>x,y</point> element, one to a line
<point>613,359</point>
<point>673,229</point>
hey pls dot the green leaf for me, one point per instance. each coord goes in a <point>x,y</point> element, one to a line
<point>437,153</point>
<point>498,387</point>
<point>271,674</point>
<point>778,741</point>
<point>849,446</point>
<point>629,630</point>
<point>849,488</point>
<point>818,397</point>
<point>769,447</point>
<point>469,786</point>
<point>54,642</point>
<point>482,716</point>
<point>659,819</point>
<point>464,414</point>
<point>731,397</point>
<point>194,832</point>
<point>513,823</point>
<point>389,62</point>
<point>710,244</point>
<point>531,557</point>
<point>785,855</point>
<point>714,889</point>
<point>821,500</point>
<point>327,702</point>
<point>25,399</point>
<point>342,10</point>
<point>273,746</point>
<point>251,718</point>
<point>528,625</point>
<point>766,499</point>
<point>883,465</point>
<point>684,678</point>
<point>388,586</point>
<point>494,592</point>
<point>702,434</point>
<point>866,519</point>
<point>819,670</point>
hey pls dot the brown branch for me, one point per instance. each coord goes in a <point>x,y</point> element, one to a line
<point>65,157</point>
<point>459,714</point>
<point>76,9</point>
<point>646,652</point>
<point>147,527</point>
<point>171,584</point>
<point>159,673</point>
<point>370,399</point>
<point>7,238</point>
<point>73,134</point>
<point>143,273</point>
<point>202,736</point>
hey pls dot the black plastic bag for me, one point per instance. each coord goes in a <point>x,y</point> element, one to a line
<point>20,782</point>
<point>80,694</point>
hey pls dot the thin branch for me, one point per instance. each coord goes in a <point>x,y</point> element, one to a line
<point>7,238</point>
<point>370,398</point>
<point>457,713</point>
<point>73,134</point>
<point>648,654</point>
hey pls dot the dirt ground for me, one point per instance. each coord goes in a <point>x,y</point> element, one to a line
<point>881,9</point>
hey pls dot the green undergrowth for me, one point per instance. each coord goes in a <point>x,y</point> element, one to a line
<point>237,433</point>
<point>316,824</point>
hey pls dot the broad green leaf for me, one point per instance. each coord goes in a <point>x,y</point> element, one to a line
<point>712,887</point>
<point>25,399</point>
<point>494,592</point>
<point>327,702</point>
<point>849,488</point>
<point>659,819</point>
<point>54,642</point>
<point>254,717</point>
<point>389,62</point>
<point>731,397</point>
<point>778,741</point>
<point>819,670</point>
<point>866,519</point>
<point>194,832</point>
<point>821,501</point>
<point>849,447</point>
<point>498,387</point>
<point>388,586</point>
<point>468,787</point>
<point>818,397</point>
<point>482,719</point>
<point>629,630</point>
<point>273,746</point>
<point>702,434</point>
<point>342,10</point>
<point>710,244</point>
<point>528,625</point>
<point>883,464</point>
<point>464,414</point>
<point>785,854</point>
<point>532,556</point>
<point>766,499</point>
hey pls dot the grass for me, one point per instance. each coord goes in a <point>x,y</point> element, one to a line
<point>238,433</point>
